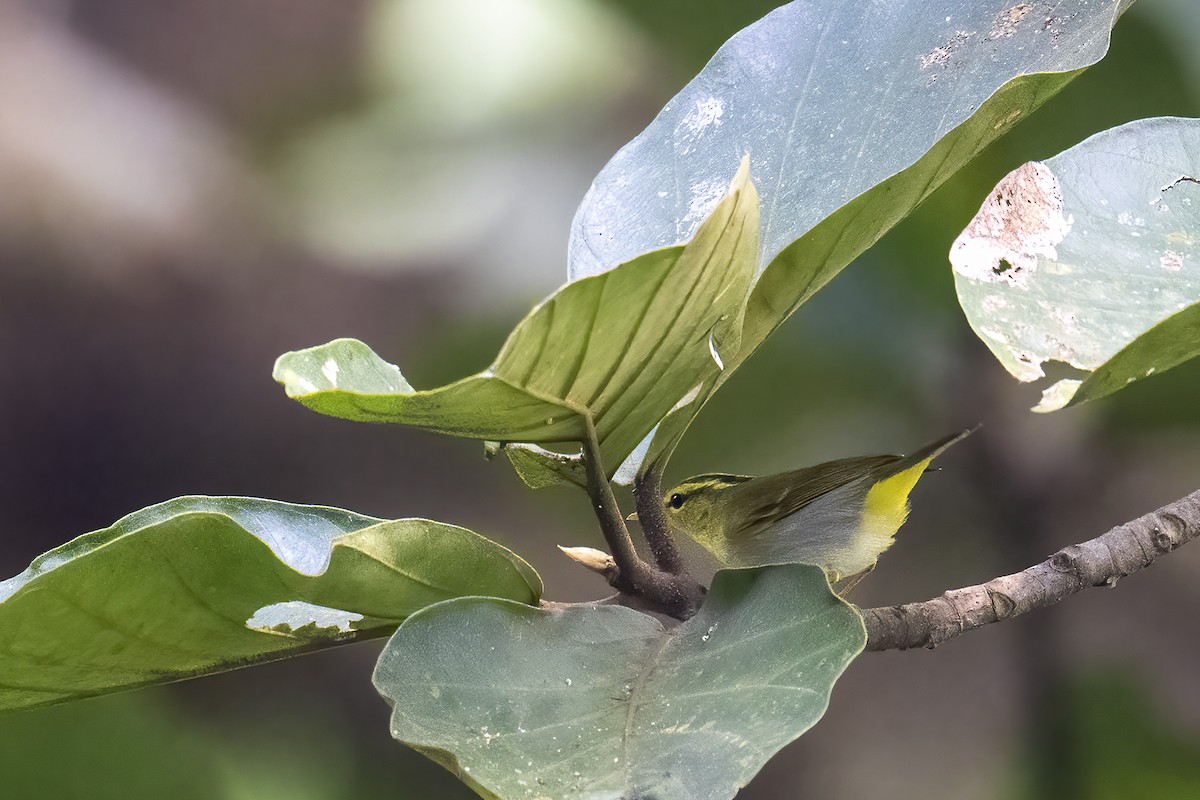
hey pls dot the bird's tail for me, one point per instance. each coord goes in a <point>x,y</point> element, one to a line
<point>934,449</point>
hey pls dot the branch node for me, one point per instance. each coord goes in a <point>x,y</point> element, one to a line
<point>1163,541</point>
<point>1002,605</point>
<point>674,594</point>
<point>1067,562</point>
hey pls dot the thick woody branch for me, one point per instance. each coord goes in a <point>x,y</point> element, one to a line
<point>1099,562</point>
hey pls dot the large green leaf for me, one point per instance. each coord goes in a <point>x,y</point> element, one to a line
<point>203,584</point>
<point>604,703</point>
<point>619,349</point>
<point>1091,258</point>
<point>852,113</point>
<point>830,98</point>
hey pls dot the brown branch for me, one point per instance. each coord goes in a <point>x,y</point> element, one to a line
<point>1099,562</point>
<point>647,491</point>
<point>676,595</point>
<point>604,504</point>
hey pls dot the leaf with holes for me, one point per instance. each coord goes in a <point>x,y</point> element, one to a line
<point>203,584</point>
<point>853,113</point>
<point>603,702</point>
<point>1091,259</point>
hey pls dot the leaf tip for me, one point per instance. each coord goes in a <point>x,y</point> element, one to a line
<point>1058,396</point>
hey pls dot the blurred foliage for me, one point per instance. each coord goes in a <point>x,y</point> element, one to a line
<point>426,59</point>
<point>1114,743</point>
<point>447,162</point>
<point>140,745</point>
<point>709,24</point>
<point>121,747</point>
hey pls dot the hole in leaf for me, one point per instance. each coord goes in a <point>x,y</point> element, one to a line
<point>296,617</point>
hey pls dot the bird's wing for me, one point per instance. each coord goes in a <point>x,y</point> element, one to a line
<point>771,498</point>
<point>931,450</point>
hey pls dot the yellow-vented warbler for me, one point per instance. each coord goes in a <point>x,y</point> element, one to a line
<point>840,515</point>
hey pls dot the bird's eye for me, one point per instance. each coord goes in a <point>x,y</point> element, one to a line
<point>677,500</point>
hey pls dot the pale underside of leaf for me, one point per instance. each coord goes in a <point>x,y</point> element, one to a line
<point>829,99</point>
<point>539,468</point>
<point>852,113</point>
<point>603,702</point>
<point>1090,259</point>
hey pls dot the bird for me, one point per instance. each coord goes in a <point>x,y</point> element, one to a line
<point>840,515</point>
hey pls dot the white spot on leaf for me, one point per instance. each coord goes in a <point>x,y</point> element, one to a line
<point>994,335</point>
<point>688,398</point>
<point>1125,218</point>
<point>705,197</point>
<point>330,370</point>
<point>940,56</point>
<point>712,349</point>
<point>296,617</point>
<point>1005,24</point>
<point>1021,221</point>
<point>1171,260</point>
<point>707,113</point>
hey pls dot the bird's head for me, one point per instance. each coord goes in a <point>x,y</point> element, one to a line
<point>700,508</point>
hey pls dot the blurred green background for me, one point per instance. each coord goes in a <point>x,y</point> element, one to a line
<point>188,189</point>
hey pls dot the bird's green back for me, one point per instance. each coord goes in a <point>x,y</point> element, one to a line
<point>841,514</point>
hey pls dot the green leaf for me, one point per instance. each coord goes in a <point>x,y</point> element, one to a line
<point>618,349</point>
<point>539,468</point>
<point>605,703</point>
<point>1169,343</point>
<point>830,99</point>
<point>204,584</point>
<point>852,113</point>
<point>1091,259</point>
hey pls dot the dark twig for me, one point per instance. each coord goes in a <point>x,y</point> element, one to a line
<point>647,492</point>
<point>676,595</point>
<point>604,504</point>
<point>1099,562</point>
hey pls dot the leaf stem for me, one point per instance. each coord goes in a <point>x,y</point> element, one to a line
<point>676,595</point>
<point>647,492</point>
<point>604,504</point>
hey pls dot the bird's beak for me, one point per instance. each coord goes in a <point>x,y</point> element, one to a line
<point>632,517</point>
